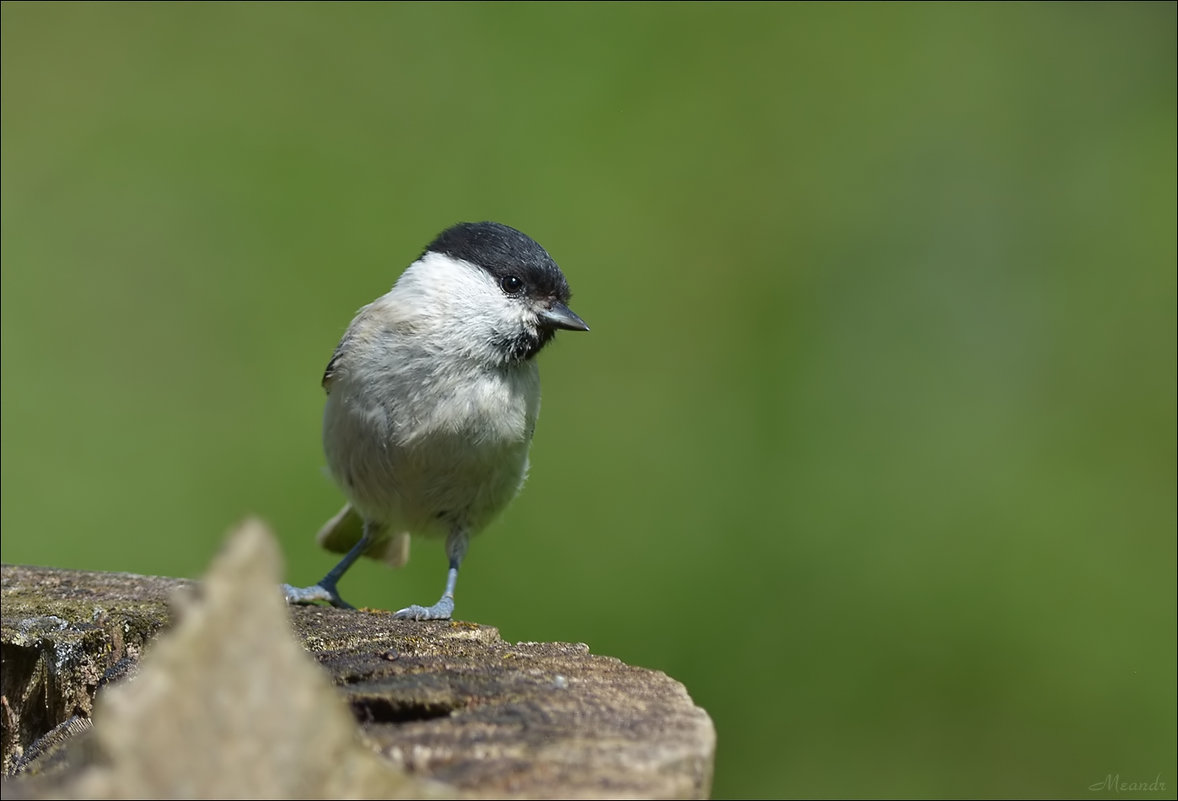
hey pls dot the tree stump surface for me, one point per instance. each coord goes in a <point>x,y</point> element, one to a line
<point>449,707</point>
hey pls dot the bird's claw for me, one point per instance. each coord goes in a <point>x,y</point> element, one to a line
<point>442,610</point>
<point>316,592</point>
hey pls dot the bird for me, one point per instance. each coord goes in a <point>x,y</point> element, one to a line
<point>432,398</point>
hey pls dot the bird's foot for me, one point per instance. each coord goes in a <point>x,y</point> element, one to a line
<point>316,592</point>
<point>439,611</point>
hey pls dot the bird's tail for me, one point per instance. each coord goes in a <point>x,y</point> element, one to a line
<point>345,529</point>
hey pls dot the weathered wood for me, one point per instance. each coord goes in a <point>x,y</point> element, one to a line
<point>450,707</point>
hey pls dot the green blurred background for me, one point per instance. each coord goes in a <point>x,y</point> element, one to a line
<point>872,444</point>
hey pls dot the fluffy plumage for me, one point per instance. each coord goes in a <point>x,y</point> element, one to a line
<point>433,394</point>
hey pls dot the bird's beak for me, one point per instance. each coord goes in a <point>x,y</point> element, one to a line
<point>558,315</point>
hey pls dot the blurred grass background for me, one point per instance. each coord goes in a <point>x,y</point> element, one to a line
<point>872,444</point>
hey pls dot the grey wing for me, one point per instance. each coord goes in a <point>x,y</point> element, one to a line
<point>334,364</point>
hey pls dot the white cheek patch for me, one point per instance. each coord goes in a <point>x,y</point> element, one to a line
<point>461,305</point>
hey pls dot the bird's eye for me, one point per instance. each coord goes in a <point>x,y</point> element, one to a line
<point>511,284</point>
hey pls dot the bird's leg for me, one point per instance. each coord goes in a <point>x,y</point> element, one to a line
<point>325,590</point>
<point>444,608</point>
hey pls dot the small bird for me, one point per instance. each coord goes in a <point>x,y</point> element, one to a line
<point>432,398</point>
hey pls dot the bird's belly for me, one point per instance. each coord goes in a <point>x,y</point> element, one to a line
<point>460,474</point>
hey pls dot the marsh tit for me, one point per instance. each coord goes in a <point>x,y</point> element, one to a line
<point>432,397</point>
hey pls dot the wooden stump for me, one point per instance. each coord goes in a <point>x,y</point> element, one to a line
<point>229,702</point>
